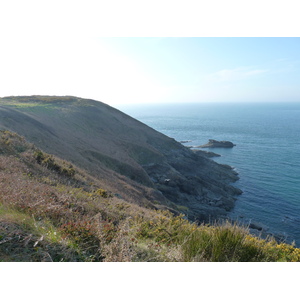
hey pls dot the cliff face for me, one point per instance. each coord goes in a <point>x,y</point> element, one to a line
<point>134,161</point>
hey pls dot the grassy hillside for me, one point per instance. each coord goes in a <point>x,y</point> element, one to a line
<point>51,210</point>
<point>131,159</point>
<point>84,132</point>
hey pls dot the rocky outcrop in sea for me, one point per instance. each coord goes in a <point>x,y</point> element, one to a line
<point>217,144</point>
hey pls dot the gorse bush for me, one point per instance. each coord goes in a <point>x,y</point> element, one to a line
<point>103,193</point>
<point>50,163</point>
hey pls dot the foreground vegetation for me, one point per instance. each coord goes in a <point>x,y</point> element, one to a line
<point>52,211</point>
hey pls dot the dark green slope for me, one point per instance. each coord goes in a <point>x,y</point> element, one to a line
<point>133,160</point>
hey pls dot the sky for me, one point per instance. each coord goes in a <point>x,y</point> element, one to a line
<point>109,54</point>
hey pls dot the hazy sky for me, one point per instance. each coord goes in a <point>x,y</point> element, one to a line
<point>58,48</point>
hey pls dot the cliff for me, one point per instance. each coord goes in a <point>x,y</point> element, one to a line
<point>135,162</point>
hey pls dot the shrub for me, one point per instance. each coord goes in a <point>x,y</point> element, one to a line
<point>50,163</point>
<point>101,192</point>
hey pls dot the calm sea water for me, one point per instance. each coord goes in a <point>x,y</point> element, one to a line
<point>266,156</point>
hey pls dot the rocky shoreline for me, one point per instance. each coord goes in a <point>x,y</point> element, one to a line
<point>255,228</point>
<point>261,230</point>
<point>196,184</point>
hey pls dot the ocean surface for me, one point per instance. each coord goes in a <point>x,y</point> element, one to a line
<point>266,155</point>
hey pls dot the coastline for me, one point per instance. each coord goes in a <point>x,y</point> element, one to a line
<point>255,228</point>
<point>270,189</point>
<point>207,187</point>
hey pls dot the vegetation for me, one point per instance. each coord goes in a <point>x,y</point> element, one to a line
<point>45,99</point>
<point>49,162</point>
<point>53,211</point>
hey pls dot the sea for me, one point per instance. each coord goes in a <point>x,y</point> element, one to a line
<point>266,155</point>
